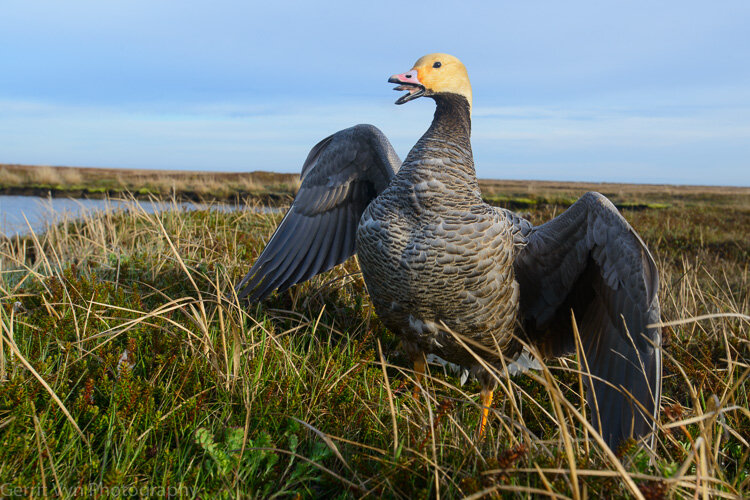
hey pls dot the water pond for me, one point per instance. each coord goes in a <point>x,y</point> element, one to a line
<point>21,214</point>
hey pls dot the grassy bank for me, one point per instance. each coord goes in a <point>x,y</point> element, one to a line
<point>127,366</point>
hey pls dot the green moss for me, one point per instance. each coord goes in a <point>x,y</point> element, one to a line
<point>641,206</point>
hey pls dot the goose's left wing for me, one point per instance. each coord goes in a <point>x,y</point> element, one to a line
<point>341,175</point>
<point>589,260</point>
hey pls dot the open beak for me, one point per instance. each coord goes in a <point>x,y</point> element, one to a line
<point>408,81</point>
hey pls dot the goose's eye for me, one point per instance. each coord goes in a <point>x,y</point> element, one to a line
<point>437,64</point>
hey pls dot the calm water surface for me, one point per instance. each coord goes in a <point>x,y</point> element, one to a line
<point>39,212</point>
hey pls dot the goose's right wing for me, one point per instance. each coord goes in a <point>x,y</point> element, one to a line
<point>591,261</point>
<point>341,175</point>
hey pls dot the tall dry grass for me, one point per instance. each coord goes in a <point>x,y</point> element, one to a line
<point>54,176</point>
<point>40,176</point>
<point>10,178</point>
<point>126,360</point>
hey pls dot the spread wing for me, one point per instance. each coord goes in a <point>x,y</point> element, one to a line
<point>589,260</point>
<point>340,177</point>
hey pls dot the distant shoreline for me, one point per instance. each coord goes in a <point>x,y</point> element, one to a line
<point>80,182</point>
<point>277,189</point>
<point>271,199</point>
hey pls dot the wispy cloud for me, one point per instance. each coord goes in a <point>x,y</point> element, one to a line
<point>539,142</point>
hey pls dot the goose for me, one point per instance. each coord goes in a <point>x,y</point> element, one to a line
<point>457,278</point>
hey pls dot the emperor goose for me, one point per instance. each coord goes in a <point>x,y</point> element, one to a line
<point>455,277</point>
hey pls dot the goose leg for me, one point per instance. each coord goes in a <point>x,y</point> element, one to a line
<point>419,370</point>
<point>486,396</point>
<point>418,362</point>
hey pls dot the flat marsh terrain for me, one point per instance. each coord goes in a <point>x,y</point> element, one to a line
<point>128,367</point>
<point>268,187</point>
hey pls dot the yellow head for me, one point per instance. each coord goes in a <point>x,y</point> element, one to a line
<point>434,74</point>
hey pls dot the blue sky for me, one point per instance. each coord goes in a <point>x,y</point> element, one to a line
<point>654,92</point>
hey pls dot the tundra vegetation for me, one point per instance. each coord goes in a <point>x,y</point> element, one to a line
<point>128,365</point>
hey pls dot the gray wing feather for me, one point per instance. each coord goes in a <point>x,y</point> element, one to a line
<point>341,175</point>
<point>589,260</point>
